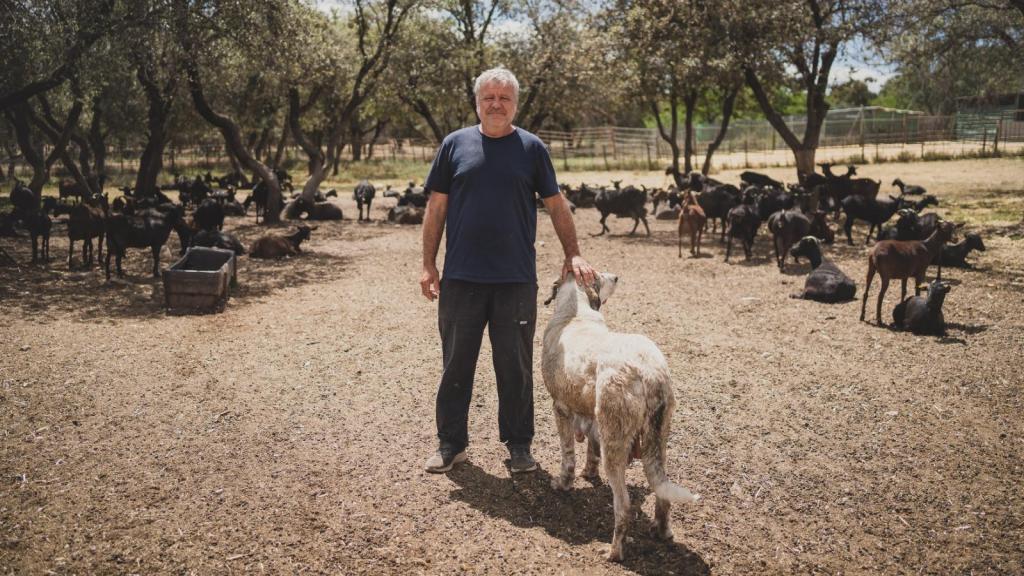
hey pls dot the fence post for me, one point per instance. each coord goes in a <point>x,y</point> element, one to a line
<point>984,141</point>
<point>565,155</point>
<point>746,151</point>
<point>649,166</point>
<point>995,139</point>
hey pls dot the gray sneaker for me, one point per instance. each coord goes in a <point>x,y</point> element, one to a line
<point>445,458</point>
<point>521,460</point>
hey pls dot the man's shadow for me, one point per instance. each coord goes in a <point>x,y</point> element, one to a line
<point>579,516</point>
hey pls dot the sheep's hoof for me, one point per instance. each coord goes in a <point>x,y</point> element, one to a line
<point>614,555</point>
<point>591,474</point>
<point>562,483</point>
<point>664,534</point>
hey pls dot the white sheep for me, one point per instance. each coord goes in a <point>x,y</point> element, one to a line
<point>614,388</point>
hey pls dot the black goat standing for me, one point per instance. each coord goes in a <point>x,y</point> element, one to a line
<point>148,228</point>
<point>626,202</point>
<point>363,195</point>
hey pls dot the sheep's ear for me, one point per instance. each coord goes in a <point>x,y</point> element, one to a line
<point>554,290</point>
<point>593,295</point>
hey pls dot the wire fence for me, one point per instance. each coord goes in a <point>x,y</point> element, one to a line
<point>856,136</point>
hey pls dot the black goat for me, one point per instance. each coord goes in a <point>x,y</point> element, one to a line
<point>787,228</point>
<point>826,282</point>
<point>23,199</point>
<point>363,195</point>
<point>217,239</point>
<point>209,215</point>
<point>771,200</point>
<point>148,228</point>
<point>955,255</point>
<point>908,189</point>
<point>716,203</point>
<point>922,315</point>
<point>874,212</point>
<point>758,179</point>
<point>743,224</point>
<point>87,221</point>
<point>626,202</point>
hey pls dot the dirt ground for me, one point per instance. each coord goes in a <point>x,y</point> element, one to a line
<point>287,434</point>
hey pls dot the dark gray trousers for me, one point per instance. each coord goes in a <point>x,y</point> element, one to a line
<point>509,311</point>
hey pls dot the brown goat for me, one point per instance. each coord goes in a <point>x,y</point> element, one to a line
<point>272,246</point>
<point>693,220</point>
<point>899,259</point>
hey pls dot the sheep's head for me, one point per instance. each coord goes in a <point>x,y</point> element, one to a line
<point>597,293</point>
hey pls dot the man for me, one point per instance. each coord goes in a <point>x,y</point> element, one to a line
<point>482,187</point>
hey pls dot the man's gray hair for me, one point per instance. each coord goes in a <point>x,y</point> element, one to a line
<point>499,75</point>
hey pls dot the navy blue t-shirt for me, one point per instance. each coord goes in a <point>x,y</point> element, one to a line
<point>492,212</point>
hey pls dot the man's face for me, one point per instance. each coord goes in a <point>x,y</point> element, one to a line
<point>496,106</point>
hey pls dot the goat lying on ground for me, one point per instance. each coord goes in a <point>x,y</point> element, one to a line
<point>955,255</point>
<point>895,259</point>
<point>217,239</point>
<point>274,246</point>
<point>406,214</point>
<point>826,282</point>
<point>923,315</point>
<point>616,386</point>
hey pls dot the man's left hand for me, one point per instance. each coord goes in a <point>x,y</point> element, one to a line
<point>580,269</point>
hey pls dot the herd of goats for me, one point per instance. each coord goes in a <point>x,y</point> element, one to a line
<point>796,216</point>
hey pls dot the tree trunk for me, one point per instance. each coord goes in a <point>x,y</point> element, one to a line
<point>281,144</point>
<point>423,109</point>
<point>356,143</point>
<point>159,106</point>
<point>233,139</point>
<point>690,102</point>
<point>18,116</point>
<point>377,131</point>
<point>59,137</point>
<point>727,108</point>
<point>670,136</point>
<point>805,159</point>
<point>97,139</point>
<point>317,158</point>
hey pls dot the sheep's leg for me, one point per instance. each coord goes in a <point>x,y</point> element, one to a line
<point>636,223</point>
<point>881,296</point>
<point>563,420</point>
<point>106,264</point>
<point>615,458</point>
<point>903,289</point>
<point>723,229</point>
<point>775,244</point>
<point>71,250</point>
<point>867,288</point>
<point>593,457</point>
<point>603,227</point>
<point>646,227</point>
<point>728,249</point>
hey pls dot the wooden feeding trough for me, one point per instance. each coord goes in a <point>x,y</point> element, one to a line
<point>200,280</point>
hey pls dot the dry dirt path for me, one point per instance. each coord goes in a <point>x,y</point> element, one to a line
<point>287,434</point>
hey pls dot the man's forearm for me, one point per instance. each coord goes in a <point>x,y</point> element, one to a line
<point>433,228</point>
<point>565,228</point>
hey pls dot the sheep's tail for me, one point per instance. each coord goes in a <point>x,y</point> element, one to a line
<point>653,455</point>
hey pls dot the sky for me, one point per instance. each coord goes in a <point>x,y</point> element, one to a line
<point>855,62</point>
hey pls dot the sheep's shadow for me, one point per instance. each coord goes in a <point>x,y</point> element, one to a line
<point>971,329</point>
<point>580,516</point>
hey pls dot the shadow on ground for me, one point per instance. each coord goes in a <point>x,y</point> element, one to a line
<point>580,516</point>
